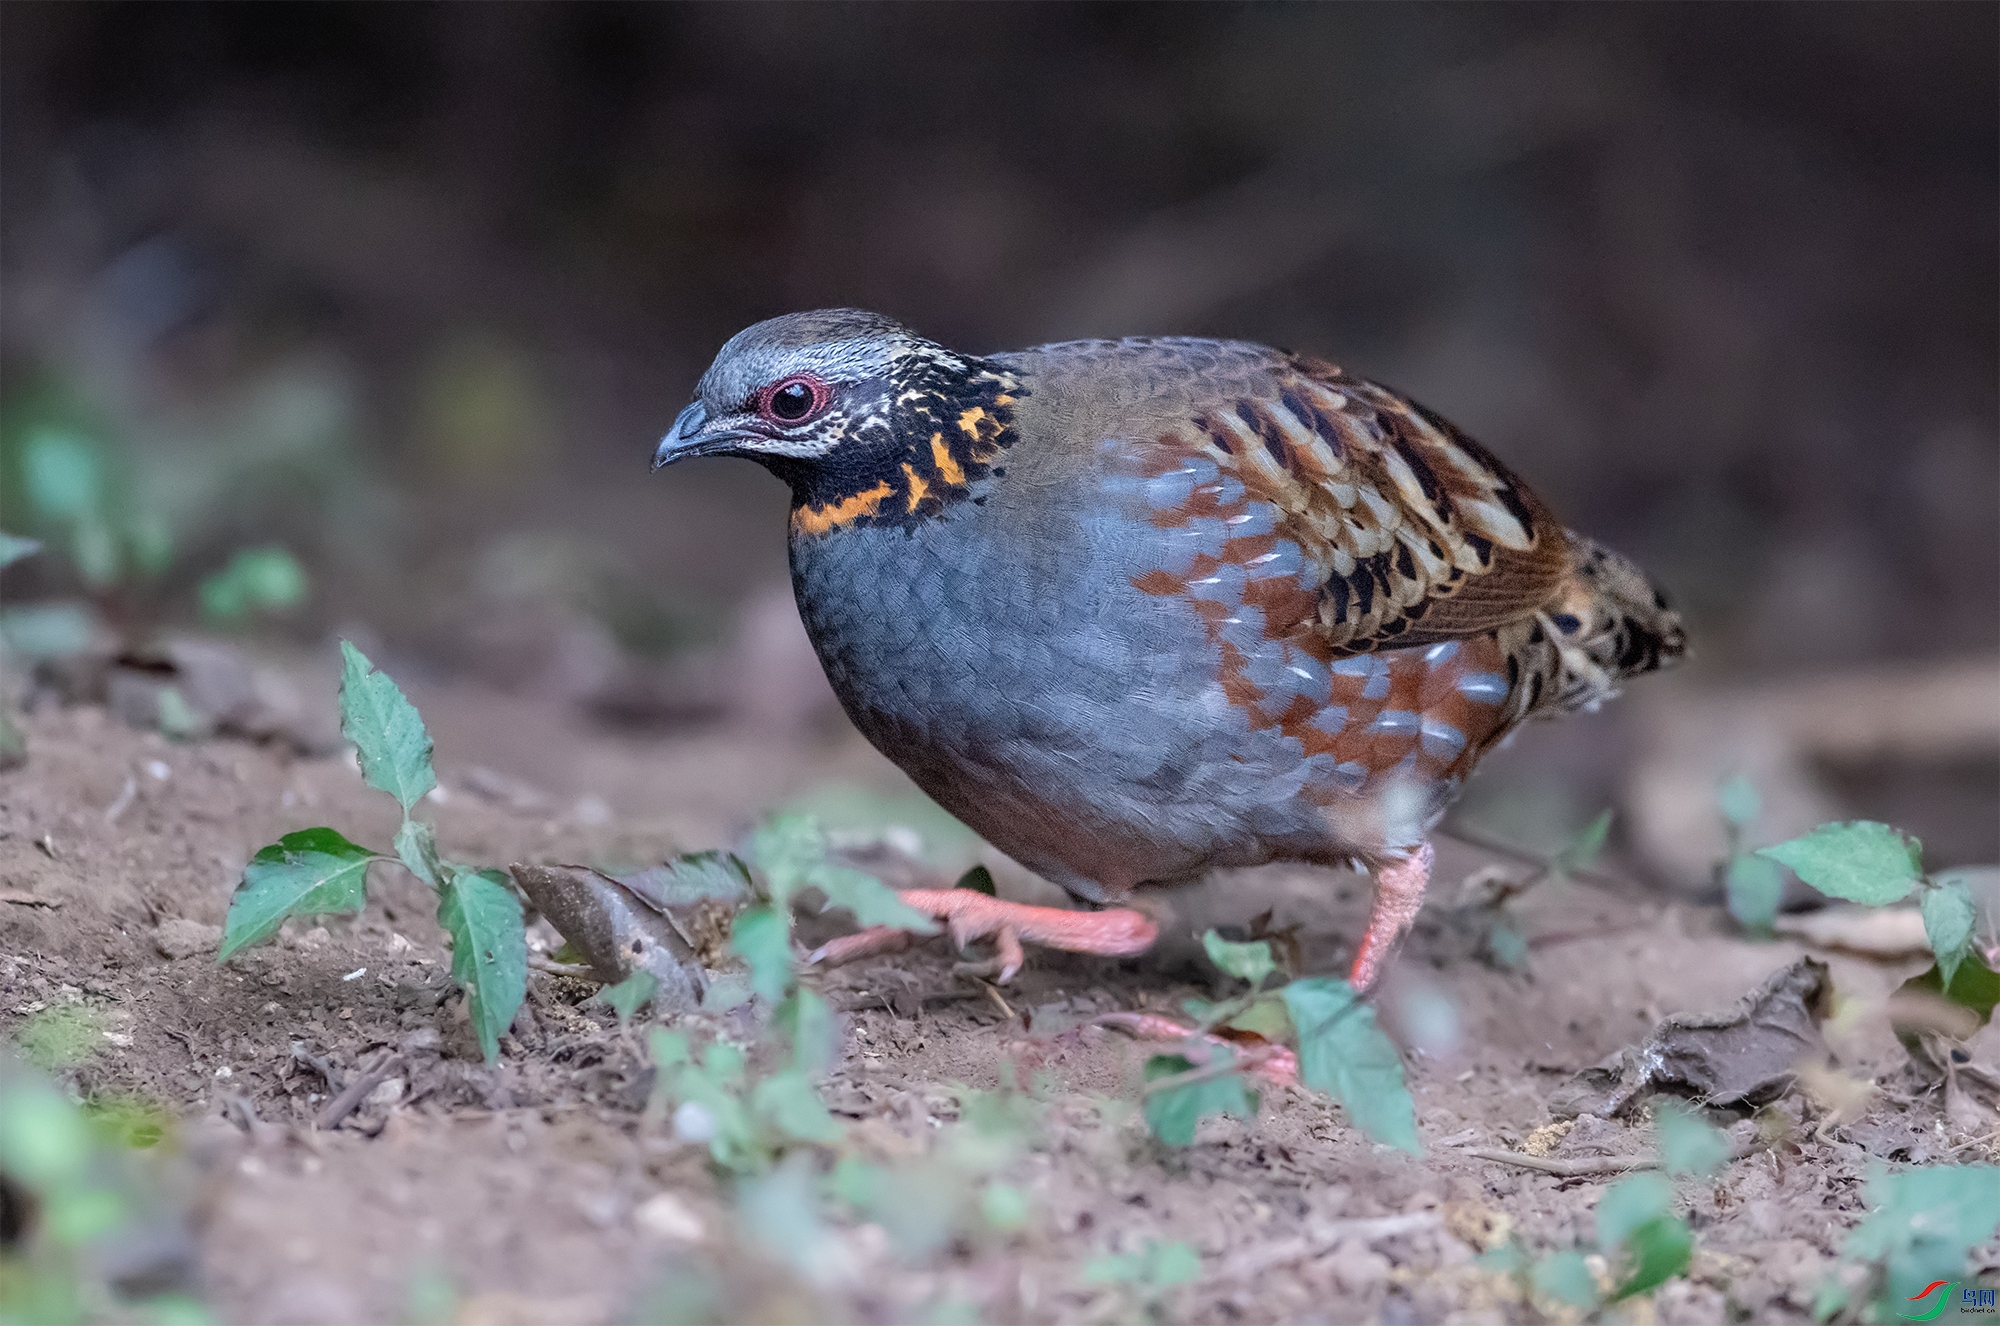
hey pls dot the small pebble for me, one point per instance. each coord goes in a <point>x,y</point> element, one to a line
<point>666,1216</point>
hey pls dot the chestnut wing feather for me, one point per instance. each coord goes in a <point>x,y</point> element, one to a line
<point>1419,534</point>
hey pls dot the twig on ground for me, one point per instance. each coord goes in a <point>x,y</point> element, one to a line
<point>574,970</point>
<point>1584,1167</point>
<point>187,1043</point>
<point>344,1104</point>
<point>319,1065</point>
<point>993,993</point>
<point>1581,1167</point>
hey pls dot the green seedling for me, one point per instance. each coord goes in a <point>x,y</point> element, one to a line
<point>70,1182</point>
<point>1876,865</point>
<point>1752,883</point>
<point>256,581</point>
<point>1503,944</point>
<point>954,1193</point>
<point>1922,1225</point>
<point>319,871</point>
<point>750,1119</point>
<point>1341,1051</point>
<point>1640,1238</point>
<point>1149,1275</point>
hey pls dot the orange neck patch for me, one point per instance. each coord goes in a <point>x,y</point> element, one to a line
<point>950,432</point>
<point>848,510</point>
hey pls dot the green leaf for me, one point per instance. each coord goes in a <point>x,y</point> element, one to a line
<point>1738,801</point>
<point>1265,1017</point>
<point>871,901</point>
<point>307,873</point>
<point>791,850</point>
<point>857,1182</point>
<point>417,849</point>
<point>177,718</point>
<point>695,877</point>
<point>1688,1144</point>
<point>1005,1208</point>
<point>725,990</point>
<point>1171,1263</point>
<point>806,1021</point>
<point>761,938</point>
<point>980,880</point>
<point>1661,1250</point>
<point>386,730</point>
<point>786,848</point>
<point>1565,1277</point>
<point>1508,1258</point>
<point>630,995</point>
<point>13,548</point>
<point>489,950</point>
<point>48,630</point>
<point>1948,919</point>
<point>1923,1222</point>
<point>1344,1053</point>
<point>63,475</point>
<point>787,1102</point>
<point>74,1216</point>
<point>1755,886</point>
<point>1173,1111</point>
<point>1630,1203</point>
<point>1862,862</point>
<point>44,1141</point>
<point>1506,946</point>
<point>669,1049</point>
<point>1156,1266</point>
<point>1247,962</point>
<point>1973,985</point>
<point>256,580</point>
<point>1583,849</point>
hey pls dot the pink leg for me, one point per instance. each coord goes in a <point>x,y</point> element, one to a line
<point>1399,894</point>
<point>1274,1063</point>
<point>970,915</point>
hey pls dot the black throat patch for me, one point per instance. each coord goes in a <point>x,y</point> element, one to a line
<point>950,420</point>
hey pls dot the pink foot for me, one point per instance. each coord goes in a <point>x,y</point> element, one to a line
<point>970,915</point>
<point>1269,1060</point>
<point>1399,895</point>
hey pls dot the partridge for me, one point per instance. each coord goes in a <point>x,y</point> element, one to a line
<point>1135,610</point>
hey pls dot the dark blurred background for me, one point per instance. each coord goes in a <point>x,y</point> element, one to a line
<point>409,291</point>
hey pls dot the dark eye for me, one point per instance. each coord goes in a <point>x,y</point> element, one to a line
<point>795,400</point>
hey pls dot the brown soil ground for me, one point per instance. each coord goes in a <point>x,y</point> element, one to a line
<point>523,1183</point>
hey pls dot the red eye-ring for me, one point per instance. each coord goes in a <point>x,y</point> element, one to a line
<point>793,400</point>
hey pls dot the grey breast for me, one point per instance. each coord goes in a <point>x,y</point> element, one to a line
<point>1001,655</point>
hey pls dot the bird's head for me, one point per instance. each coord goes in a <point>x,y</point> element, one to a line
<point>867,421</point>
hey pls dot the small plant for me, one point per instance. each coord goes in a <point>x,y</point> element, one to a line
<point>750,1118</point>
<point>1876,865</point>
<point>1921,1225</point>
<point>1491,892</point>
<point>1149,1274</point>
<point>1752,883</point>
<point>68,1192</point>
<point>1339,1047</point>
<point>1641,1242</point>
<point>319,872</point>
<point>78,493</point>
<point>257,580</point>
